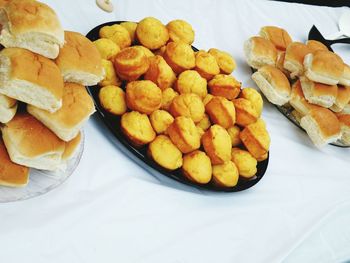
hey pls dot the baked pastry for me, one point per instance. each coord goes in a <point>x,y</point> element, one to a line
<point>137,128</point>
<point>112,99</point>
<point>280,63</point>
<point>77,106</point>
<point>225,86</point>
<point>225,61</point>
<point>190,81</point>
<point>151,33</point>
<point>148,53</point>
<point>322,126</point>
<point>111,77</point>
<point>117,33</point>
<point>179,56</point>
<point>161,120</point>
<point>207,98</point>
<point>256,139</point>
<point>260,52</point>
<point>217,144</point>
<point>345,77</point>
<point>167,98</point>
<point>221,111</point>
<point>343,98</point>
<point>318,93</point>
<point>225,175</point>
<point>71,149</point>
<point>245,112</point>
<point>180,30</point>
<point>143,96</point>
<point>315,45</point>
<point>11,174</point>
<point>160,51</point>
<point>200,131</point>
<point>107,48</point>
<point>254,97</point>
<point>344,120</point>
<point>197,167</point>
<point>206,65</point>
<point>183,133</point>
<point>160,73</point>
<point>165,153</point>
<point>131,28</point>
<point>278,36</point>
<point>234,135</point>
<point>8,108</point>
<point>31,144</point>
<point>274,84</point>
<point>294,58</point>
<point>30,78</point>
<point>324,66</point>
<point>31,25</point>
<point>204,123</point>
<point>189,105</point>
<point>245,162</point>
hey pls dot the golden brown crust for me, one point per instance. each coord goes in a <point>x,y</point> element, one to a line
<point>189,105</point>
<point>245,162</point>
<point>245,112</point>
<point>180,30</point>
<point>263,47</point>
<point>344,119</point>
<point>327,63</point>
<point>206,65</point>
<point>117,33</point>
<point>298,100</point>
<point>225,61</point>
<point>112,99</point>
<point>225,175</point>
<point>152,33</point>
<point>197,167</point>
<point>190,81</point>
<point>161,120</point>
<point>278,36</point>
<point>327,122</point>
<point>276,78</point>
<point>71,146</point>
<point>225,86</point>
<point>221,111</point>
<point>296,52</point>
<point>315,45</point>
<point>160,73</point>
<point>179,56</point>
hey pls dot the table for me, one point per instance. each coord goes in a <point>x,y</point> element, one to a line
<point>112,210</point>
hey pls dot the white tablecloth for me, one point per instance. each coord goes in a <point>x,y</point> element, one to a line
<point>112,210</point>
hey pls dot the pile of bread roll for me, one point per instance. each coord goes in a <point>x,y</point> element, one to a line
<point>308,77</point>
<point>43,103</point>
<point>184,106</point>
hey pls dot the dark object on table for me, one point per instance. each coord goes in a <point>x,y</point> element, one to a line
<point>333,3</point>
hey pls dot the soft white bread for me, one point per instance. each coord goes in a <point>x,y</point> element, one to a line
<point>30,78</point>
<point>274,84</point>
<point>324,66</point>
<point>31,25</point>
<point>318,93</point>
<point>77,106</point>
<point>260,52</point>
<point>344,120</point>
<point>8,108</point>
<point>31,144</point>
<point>294,58</point>
<point>79,60</point>
<point>343,98</point>
<point>322,126</point>
<point>345,77</point>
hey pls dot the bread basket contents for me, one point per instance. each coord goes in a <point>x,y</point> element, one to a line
<point>307,83</point>
<point>183,107</point>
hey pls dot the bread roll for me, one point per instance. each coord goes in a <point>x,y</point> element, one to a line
<point>8,108</point>
<point>343,98</point>
<point>345,77</point>
<point>294,58</point>
<point>278,36</point>
<point>260,52</point>
<point>315,45</point>
<point>344,120</point>
<point>71,148</point>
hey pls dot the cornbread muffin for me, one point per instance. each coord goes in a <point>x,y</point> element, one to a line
<point>148,53</point>
<point>190,81</point>
<point>131,28</point>
<point>204,123</point>
<point>221,111</point>
<point>234,135</point>
<point>226,174</point>
<point>180,30</point>
<point>112,99</point>
<point>245,162</point>
<point>278,36</point>
<point>117,34</point>
<point>225,61</point>
<point>207,99</point>
<point>143,96</point>
<point>165,153</point>
<point>206,65</point>
<point>262,157</point>
<point>245,112</point>
<point>197,167</point>
<point>225,86</point>
<point>189,105</point>
<point>183,133</point>
<point>256,139</point>
<point>254,97</point>
<point>151,33</point>
<point>179,56</point>
<point>200,131</point>
<point>161,120</point>
<point>110,78</point>
<point>160,73</point>
<point>107,48</point>
<point>160,51</point>
<point>167,98</point>
<point>137,128</point>
<point>217,144</point>
<point>315,45</point>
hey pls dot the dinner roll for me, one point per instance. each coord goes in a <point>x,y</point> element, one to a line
<point>260,52</point>
<point>315,45</point>
<point>234,135</point>
<point>245,112</point>
<point>344,120</point>
<point>294,58</point>
<point>71,149</point>
<point>278,36</point>
<point>206,65</point>
<point>189,105</point>
<point>197,167</point>
<point>131,28</point>
<point>168,96</point>
<point>180,30</point>
<point>179,56</point>
<point>225,175</point>
<point>343,98</point>
<point>107,48</point>
<point>161,120</point>
<point>8,108</point>
<point>117,33</point>
<point>226,62</point>
<point>152,33</point>
<point>225,86</point>
<point>160,73</point>
<point>112,99</point>
<point>245,162</point>
<point>111,77</point>
<point>190,81</point>
<point>221,111</point>
<point>254,97</point>
<point>280,63</point>
<point>345,77</point>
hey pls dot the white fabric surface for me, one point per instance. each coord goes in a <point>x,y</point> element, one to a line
<point>112,210</point>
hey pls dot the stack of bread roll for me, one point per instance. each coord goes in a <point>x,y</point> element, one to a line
<point>184,106</point>
<point>43,103</point>
<point>308,77</point>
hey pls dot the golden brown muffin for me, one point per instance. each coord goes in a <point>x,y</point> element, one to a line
<point>151,33</point>
<point>183,133</point>
<point>207,99</point>
<point>179,56</point>
<point>245,112</point>
<point>315,45</point>
<point>256,139</point>
<point>117,34</point>
<point>254,97</point>
<point>165,153</point>
<point>190,81</point>
<point>262,157</point>
<point>234,135</point>
<point>278,36</point>
<point>112,99</point>
<point>143,96</point>
<point>137,128</point>
<point>160,51</point>
<point>160,73</point>
<point>225,86</point>
<point>131,28</point>
<point>217,144</point>
<point>226,174</point>
<point>189,105</point>
<point>110,78</point>
<point>206,65</point>
<point>148,53</point>
<point>226,62</point>
<point>197,167</point>
<point>180,30</point>
<point>107,48</point>
<point>245,162</point>
<point>167,98</point>
<point>200,131</point>
<point>204,123</point>
<point>161,120</point>
<point>221,111</point>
